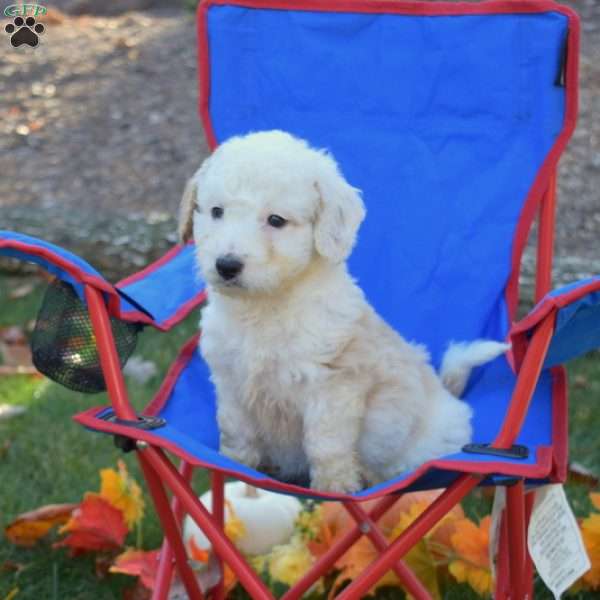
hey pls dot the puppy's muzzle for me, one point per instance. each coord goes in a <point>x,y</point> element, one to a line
<point>229,266</point>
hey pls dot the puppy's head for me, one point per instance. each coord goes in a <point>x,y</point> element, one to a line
<point>263,207</point>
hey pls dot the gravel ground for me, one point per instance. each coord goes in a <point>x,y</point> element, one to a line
<point>99,131</point>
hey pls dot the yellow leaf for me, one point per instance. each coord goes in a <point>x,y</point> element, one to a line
<point>234,526</point>
<point>289,562</point>
<point>479,579</point>
<point>458,569</point>
<point>590,531</point>
<point>258,562</point>
<point>595,498</point>
<point>420,559</point>
<point>122,492</point>
<point>309,522</point>
<point>421,562</point>
<point>12,594</point>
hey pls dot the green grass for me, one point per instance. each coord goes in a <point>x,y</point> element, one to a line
<point>45,458</point>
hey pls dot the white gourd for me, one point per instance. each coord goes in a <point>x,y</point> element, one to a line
<point>268,518</point>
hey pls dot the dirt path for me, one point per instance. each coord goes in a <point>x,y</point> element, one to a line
<point>99,130</point>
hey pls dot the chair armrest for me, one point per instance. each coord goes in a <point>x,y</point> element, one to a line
<point>576,308</point>
<point>175,273</point>
<point>161,295</point>
<point>61,263</point>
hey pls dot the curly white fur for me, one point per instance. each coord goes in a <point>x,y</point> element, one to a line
<point>310,380</point>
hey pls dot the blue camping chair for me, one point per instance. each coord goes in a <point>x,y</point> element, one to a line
<point>451,118</point>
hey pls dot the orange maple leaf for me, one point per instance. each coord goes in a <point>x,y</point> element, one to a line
<point>29,527</point>
<point>196,553</point>
<point>138,563</point>
<point>363,553</point>
<point>229,580</point>
<point>204,556</point>
<point>94,525</point>
<point>471,564</point>
<point>335,521</point>
<point>354,562</point>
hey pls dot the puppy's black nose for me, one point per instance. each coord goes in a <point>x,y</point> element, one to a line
<point>229,266</point>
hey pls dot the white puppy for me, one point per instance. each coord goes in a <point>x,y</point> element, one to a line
<point>310,380</point>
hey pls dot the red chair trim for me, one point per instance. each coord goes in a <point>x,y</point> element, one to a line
<point>541,469</point>
<point>547,169</point>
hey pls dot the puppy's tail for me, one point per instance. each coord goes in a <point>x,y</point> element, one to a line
<point>460,359</point>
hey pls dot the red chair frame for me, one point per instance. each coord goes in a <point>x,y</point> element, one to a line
<point>514,578</point>
<point>514,567</point>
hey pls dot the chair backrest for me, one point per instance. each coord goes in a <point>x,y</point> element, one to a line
<point>449,117</point>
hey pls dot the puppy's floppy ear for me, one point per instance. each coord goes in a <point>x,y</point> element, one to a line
<point>341,211</point>
<point>189,202</point>
<point>186,210</point>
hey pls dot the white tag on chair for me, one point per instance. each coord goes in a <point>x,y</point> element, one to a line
<point>554,540</point>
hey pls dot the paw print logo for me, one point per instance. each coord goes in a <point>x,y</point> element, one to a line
<point>24,31</point>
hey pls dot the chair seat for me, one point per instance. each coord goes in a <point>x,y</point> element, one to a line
<point>187,402</point>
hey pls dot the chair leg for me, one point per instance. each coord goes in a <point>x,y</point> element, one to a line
<point>163,468</point>
<point>515,513</point>
<point>218,510</point>
<point>171,529</point>
<point>528,576</point>
<point>166,564</point>
<point>164,573</point>
<point>407,578</point>
<point>326,562</point>
<point>502,583</point>
<point>415,531</point>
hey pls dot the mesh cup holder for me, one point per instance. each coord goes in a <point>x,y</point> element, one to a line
<point>63,344</point>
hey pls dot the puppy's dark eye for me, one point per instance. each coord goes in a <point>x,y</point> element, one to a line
<point>276,221</point>
<point>216,212</point>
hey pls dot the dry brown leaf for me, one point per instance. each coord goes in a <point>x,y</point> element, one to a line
<point>102,565</point>
<point>11,566</point>
<point>19,370</point>
<point>54,16</point>
<point>137,592</point>
<point>29,527</point>
<point>581,475</point>
<point>21,291</point>
<point>581,381</point>
<point>4,448</point>
<point>14,347</point>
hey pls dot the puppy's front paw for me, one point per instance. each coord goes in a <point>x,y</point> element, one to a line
<point>338,480</point>
<point>247,455</point>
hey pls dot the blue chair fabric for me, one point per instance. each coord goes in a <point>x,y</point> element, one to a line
<point>451,123</point>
